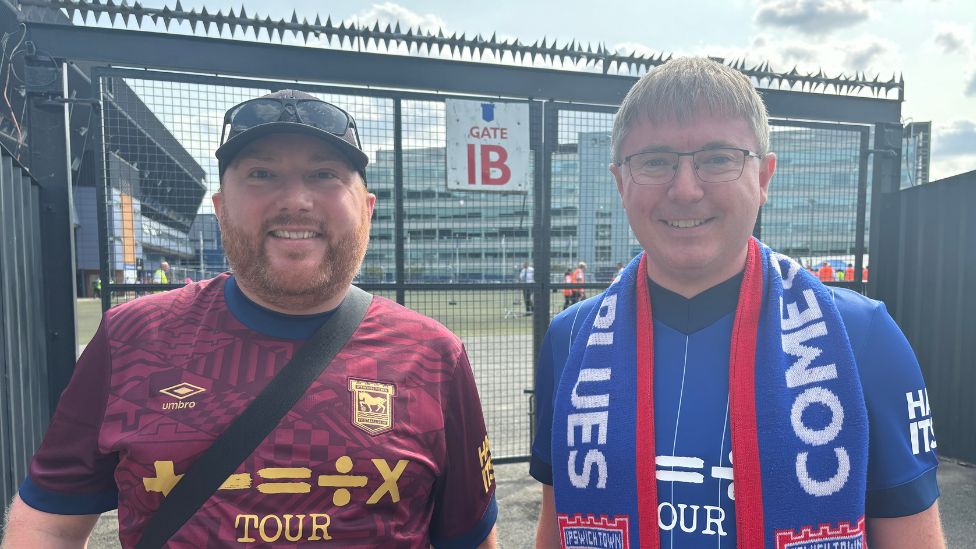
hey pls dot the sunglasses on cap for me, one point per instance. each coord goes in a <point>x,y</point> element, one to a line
<point>310,112</point>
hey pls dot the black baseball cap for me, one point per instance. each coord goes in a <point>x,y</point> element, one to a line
<point>289,111</point>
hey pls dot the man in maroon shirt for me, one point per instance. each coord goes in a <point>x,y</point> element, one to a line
<point>388,446</point>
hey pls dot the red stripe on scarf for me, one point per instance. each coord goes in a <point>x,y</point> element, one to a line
<point>646,467</point>
<point>742,385</point>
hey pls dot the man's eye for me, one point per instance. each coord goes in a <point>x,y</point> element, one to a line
<point>325,174</point>
<point>717,159</point>
<point>259,174</point>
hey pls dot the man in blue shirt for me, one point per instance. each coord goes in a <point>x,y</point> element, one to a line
<point>706,279</point>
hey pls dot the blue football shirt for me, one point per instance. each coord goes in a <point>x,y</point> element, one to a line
<point>696,491</point>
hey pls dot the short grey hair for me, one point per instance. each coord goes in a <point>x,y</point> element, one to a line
<point>682,89</point>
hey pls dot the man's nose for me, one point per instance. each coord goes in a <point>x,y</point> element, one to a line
<point>295,195</point>
<point>686,186</point>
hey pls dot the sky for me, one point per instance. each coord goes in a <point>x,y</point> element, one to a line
<point>931,43</point>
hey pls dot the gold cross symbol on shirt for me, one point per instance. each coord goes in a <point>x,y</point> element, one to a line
<point>165,478</point>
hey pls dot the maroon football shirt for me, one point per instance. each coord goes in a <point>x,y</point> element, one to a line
<point>387,448</point>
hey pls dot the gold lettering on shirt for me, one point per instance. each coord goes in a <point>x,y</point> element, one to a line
<point>300,519</point>
<point>487,469</point>
<point>285,487</point>
<point>343,484</point>
<point>270,528</point>
<point>240,481</point>
<point>245,538</point>
<point>390,479</point>
<point>165,478</point>
<point>320,527</point>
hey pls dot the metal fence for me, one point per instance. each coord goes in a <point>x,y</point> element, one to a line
<point>929,272</point>
<point>453,255</point>
<point>23,372</point>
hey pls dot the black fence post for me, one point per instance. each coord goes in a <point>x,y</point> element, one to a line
<point>885,218</point>
<point>49,166</point>
<point>862,198</point>
<point>398,197</point>
<point>101,196</point>
<point>544,115</point>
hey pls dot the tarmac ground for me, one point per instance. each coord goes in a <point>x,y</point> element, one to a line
<point>518,508</point>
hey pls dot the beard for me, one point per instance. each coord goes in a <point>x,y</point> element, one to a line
<point>297,289</point>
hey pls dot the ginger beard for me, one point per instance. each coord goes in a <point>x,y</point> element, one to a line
<point>294,289</point>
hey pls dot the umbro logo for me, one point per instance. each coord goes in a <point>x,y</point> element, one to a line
<point>181,391</point>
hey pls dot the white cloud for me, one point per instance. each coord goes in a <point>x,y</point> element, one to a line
<point>863,55</point>
<point>868,54</point>
<point>628,48</point>
<point>943,167</point>
<point>970,90</point>
<point>957,138</point>
<point>951,39</point>
<point>389,13</point>
<point>812,17</point>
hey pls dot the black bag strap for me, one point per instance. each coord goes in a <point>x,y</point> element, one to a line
<point>235,444</point>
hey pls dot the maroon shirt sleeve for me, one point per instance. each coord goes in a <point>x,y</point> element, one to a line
<point>465,509</point>
<point>69,474</point>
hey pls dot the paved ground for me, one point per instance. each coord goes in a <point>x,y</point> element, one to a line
<point>518,502</point>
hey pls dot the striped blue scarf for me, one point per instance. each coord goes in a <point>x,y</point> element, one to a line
<point>798,419</point>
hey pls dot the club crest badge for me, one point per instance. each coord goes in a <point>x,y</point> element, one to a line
<point>844,535</point>
<point>372,405</point>
<point>592,532</point>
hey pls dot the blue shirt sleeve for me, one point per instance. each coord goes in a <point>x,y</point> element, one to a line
<point>552,359</point>
<point>902,461</point>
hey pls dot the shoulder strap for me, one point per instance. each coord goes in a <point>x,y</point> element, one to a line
<point>254,424</point>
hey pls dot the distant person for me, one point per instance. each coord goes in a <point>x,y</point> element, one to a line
<point>579,277</point>
<point>160,275</point>
<point>826,272</point>
<point>527,276</point>
<point>864,274</point>
<point>568,290</point>
<point>620,270</point>
<point>97,287</point>
<point>849,272</point>
<point>187,280</point>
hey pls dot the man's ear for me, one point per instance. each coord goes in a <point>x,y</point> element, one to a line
<point>370,203</point>
<point>218,203</point>
<point>767,167</point>
<point>618,177</point>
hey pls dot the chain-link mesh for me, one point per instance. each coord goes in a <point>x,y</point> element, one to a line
<point>471,240</point>
<point>589,225</point>
<point>811,214</point>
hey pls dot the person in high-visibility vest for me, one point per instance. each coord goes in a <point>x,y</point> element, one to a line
<point>579,277</point>
<point>159,275</point>
<point>849,272</point>
<point>826,273</point>
<point>567,291</point>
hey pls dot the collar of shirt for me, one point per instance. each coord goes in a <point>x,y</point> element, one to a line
<point>268,322</point>
<point>690,315</point>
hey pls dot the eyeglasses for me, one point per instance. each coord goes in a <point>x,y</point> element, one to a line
<point>311,112</point>
<point>711,165</point>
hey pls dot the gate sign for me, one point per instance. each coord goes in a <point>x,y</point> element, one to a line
<point>487,146</point>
